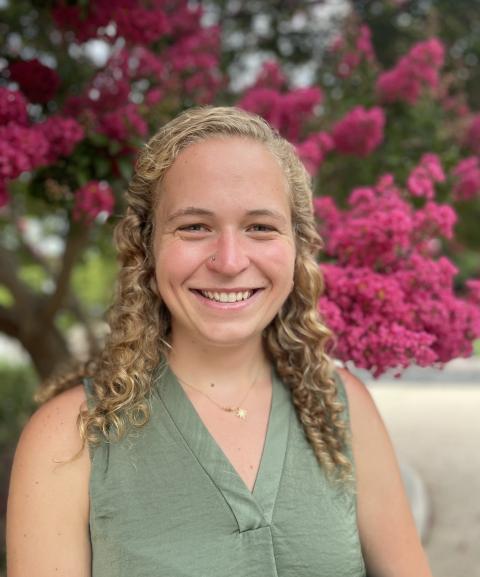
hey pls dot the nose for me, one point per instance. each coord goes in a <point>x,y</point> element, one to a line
<point>231,255</point>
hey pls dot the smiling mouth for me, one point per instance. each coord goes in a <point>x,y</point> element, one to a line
<point>227,297</point>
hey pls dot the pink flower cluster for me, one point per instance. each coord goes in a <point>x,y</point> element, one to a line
<point>133,21</point>
<point>21,149</point>
<point>353,50</point>
<point>367,312</point>
<point>24,147</point>
<point>473,135</point>
<point>388,301</point>
<point>360,131</point>
<point>467,179</point>
<point>193,65</point>
<point>91,200</point>
<point>473,287</point>
<point>82,22</point>
<point>186,69</point>
<point>13,107</point>
<point>122,123</point>
<point>422,179</point>
<point>313,150</point>
<point>141,26</point>
<point>38,82</point>
<point>287,112</point>
<point>62,135</point>
<point>420,67</point>
<point>184,18</point>
<point>271,76</point>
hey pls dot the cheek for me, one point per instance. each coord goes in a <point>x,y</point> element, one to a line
<point>174,263</point>
<point>280,258</point>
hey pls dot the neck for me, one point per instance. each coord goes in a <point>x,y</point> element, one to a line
<point>231,368</point>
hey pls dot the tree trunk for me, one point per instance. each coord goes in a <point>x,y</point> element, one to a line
<point>47,348</point>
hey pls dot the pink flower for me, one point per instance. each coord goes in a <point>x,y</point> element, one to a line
<point>435,219</point>
<point>123,123</point>
<point>473,287</point>
<point>185,19</point>
<point>389,302</point>
<point>85,20</point>
<point>62,134</point>
<point>431,163</point>
<point>154,96</point>
<point>197,56</point>
<point>422,178</point>
<point>418,68</point>
<point>326,211</point>
<point>12,161</point>
<point>420,184</point>
<point>271,76</point>
<point>426,59</point>
<point>38,82</point>
<point>364,43</point>
<point>473,135</point>
<point>142,26</point>
<point>398,84</point>
<point>467,176</point>
<point>360,131</point>
<point>354,49</point>
<point>313,150</point>
<point>13,107</point>
<point>91,200</point>
<point>285,111</point>
<point>332,315</point>
<point>22,149</point>
<point>371,318</point>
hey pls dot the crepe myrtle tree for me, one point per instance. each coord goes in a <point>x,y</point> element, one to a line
<point>392,152</point>
<point>82,84</point>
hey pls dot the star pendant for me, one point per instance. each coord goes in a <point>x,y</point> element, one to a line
<point>241,413</point>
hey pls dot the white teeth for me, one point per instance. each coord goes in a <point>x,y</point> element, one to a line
<point>227,297</point>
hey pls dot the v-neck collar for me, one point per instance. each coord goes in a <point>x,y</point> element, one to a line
<point>251,509</point>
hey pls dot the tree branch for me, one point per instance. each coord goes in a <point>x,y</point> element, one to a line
<point>75,306</point>
<point>76,241</point>
<point>24,296</point>
<point>9,322</point>
<point>33,253</point>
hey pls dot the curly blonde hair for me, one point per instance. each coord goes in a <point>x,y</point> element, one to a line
<point>296,340</point>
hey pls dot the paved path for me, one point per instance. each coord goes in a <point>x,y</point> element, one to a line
<point>434,422</point>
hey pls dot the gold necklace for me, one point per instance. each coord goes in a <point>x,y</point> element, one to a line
<point>238,411</point>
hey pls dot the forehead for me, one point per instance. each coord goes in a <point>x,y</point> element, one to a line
<point>224,169</point>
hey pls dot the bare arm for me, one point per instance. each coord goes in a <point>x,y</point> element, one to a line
<point>48,504</point>
<point>390,542</point>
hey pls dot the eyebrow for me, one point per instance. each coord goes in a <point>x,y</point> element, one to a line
<point>189,211</point>
<point>196,211</point>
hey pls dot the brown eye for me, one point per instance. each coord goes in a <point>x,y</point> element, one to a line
<point>192,227</point>
<point>262,228</point>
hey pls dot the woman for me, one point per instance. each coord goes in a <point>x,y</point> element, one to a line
<point>218,431</point>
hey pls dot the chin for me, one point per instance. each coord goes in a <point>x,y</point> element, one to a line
<point>225,338</point>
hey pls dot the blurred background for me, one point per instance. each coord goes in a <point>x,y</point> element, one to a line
<point>381,99</point>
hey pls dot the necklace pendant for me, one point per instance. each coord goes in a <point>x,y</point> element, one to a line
<point>241,413</point>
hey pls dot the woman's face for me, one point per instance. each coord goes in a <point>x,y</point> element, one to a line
<point>224,197</point>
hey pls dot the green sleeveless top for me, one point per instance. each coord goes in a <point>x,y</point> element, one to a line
<point>166,502</point>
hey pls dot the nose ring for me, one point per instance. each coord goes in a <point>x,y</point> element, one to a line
<point>212,258</point>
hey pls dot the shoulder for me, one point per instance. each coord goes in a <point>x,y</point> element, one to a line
<point>53,427</point>
<point>50,440</point>
<point>361,406</point>
<point>355,388</point>
<point>386,526</point>
<point>370,440</point>
<point>48,501</point>
<point>49,457</point>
